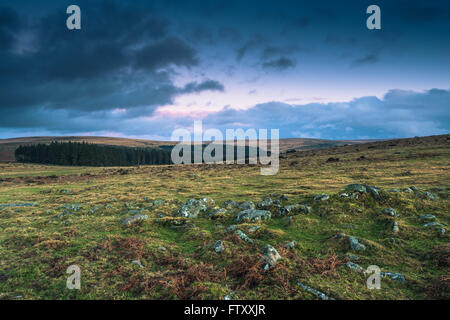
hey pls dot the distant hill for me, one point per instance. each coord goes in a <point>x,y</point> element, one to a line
<point>8,146</point>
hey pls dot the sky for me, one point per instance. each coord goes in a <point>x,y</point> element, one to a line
<point>142,69</point>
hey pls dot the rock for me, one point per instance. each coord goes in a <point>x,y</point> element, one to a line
<point>271,256</point>
<point>355,267</point>
<point>229,204</point>
<point>247,205</point>
<point>11,205</point>
<point>321,197</point>
<point>162,248</point>
<point>253,215</point>
<point>291,244</point>
<point>432,224</point>
<point>218,246</point>
<point>192,208</point>
<point>394,276</point>
<point>395,228</point>
<point>253,229</point>
<point>315,292</point>
<point>394,190</point>
<point>413,188</point>
<point>353,257</point>
<point>429,195</point>
<point>390,211</point>
<point>356,187</point>
<point>208,201</point>
<point>283,198</point>
<point>407,190</point>
<point>294,209</point>
<point>374,192</point>
<point>217,213</point>
<point>243,236</point>
<point>134,219</point>
<point>343,195</point>
<point>427,217</point>
<point>158,202</point>
<point>227,297</point>
<point>265,203</point>
<point>232,227</point>
<point>339,235</point>
<point>138,263</point>
<point>355,245</point>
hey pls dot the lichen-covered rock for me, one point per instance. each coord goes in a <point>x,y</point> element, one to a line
<point>218,246</point>
<point>315,292</point>
<point>232,227</point>
<point>429,195</point>
<point>270,256</point>
<point>294,209</point>
<point>192,208</point>
<point>291,244</point>
<point>355,244</point>
<point>428,217</point>
<point>354,267</point>
<point>394,276</point>
<point>283,198</point>
<point>246,205</point>
<point>158,202</point>
<point>356,187</point>
<point>321,197</point>
<point>230,204</point>
<point>219,212</point>
<point>134,219</point>
<point>390,211</point>
<point>395,228</point>
<point>243,236</point>
<point>344,195</point>
<point>265,203</point>
<point>253,215</point>
<point>374,192</point>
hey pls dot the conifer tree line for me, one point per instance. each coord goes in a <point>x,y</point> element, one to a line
<point>88,154</point>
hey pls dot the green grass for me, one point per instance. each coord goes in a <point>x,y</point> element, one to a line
<point>37,246</point>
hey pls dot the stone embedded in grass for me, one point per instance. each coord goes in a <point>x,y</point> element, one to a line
<point>390,211</point>
<point>315,292</point>
<point>427,217</point>
<point>429,195</point>
<point>291,244</point>
<point>253,229</point>
<point>354,267</point>
<point>192,208</point>
<point>394,190</point>
<point>265,203</point>
<point>138,263</point>
<point>432,224</point>
<point>395,228</point>
<point>232,227</point>
<point>217,213</point>
<point>294,209</point>
<point>270,256</point>
<point>230,204</point>
<point>344,195</point>
<point>158,202</point>
<point>134,219</point>
<point>413,188</point>
<point>218,246</point>
<point>374,192</point>
<point>253,215</point>
<point>394,276</point>
<point>25,204</point>
<point>407,190</point>
<point>247,205</point>
<point>283,198</point>
<point>356,187</point>
<point>321,197</point>
<point>355,244</point>
<point>243,236</point>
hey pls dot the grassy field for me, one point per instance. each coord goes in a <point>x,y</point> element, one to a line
<point>75,216</point>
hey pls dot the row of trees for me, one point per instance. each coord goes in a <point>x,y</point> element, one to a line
<point>87,154</point>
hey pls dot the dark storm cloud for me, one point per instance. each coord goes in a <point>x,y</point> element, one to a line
<point>211,85</point>
<point>9,25</point>
<point>280,64</point>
